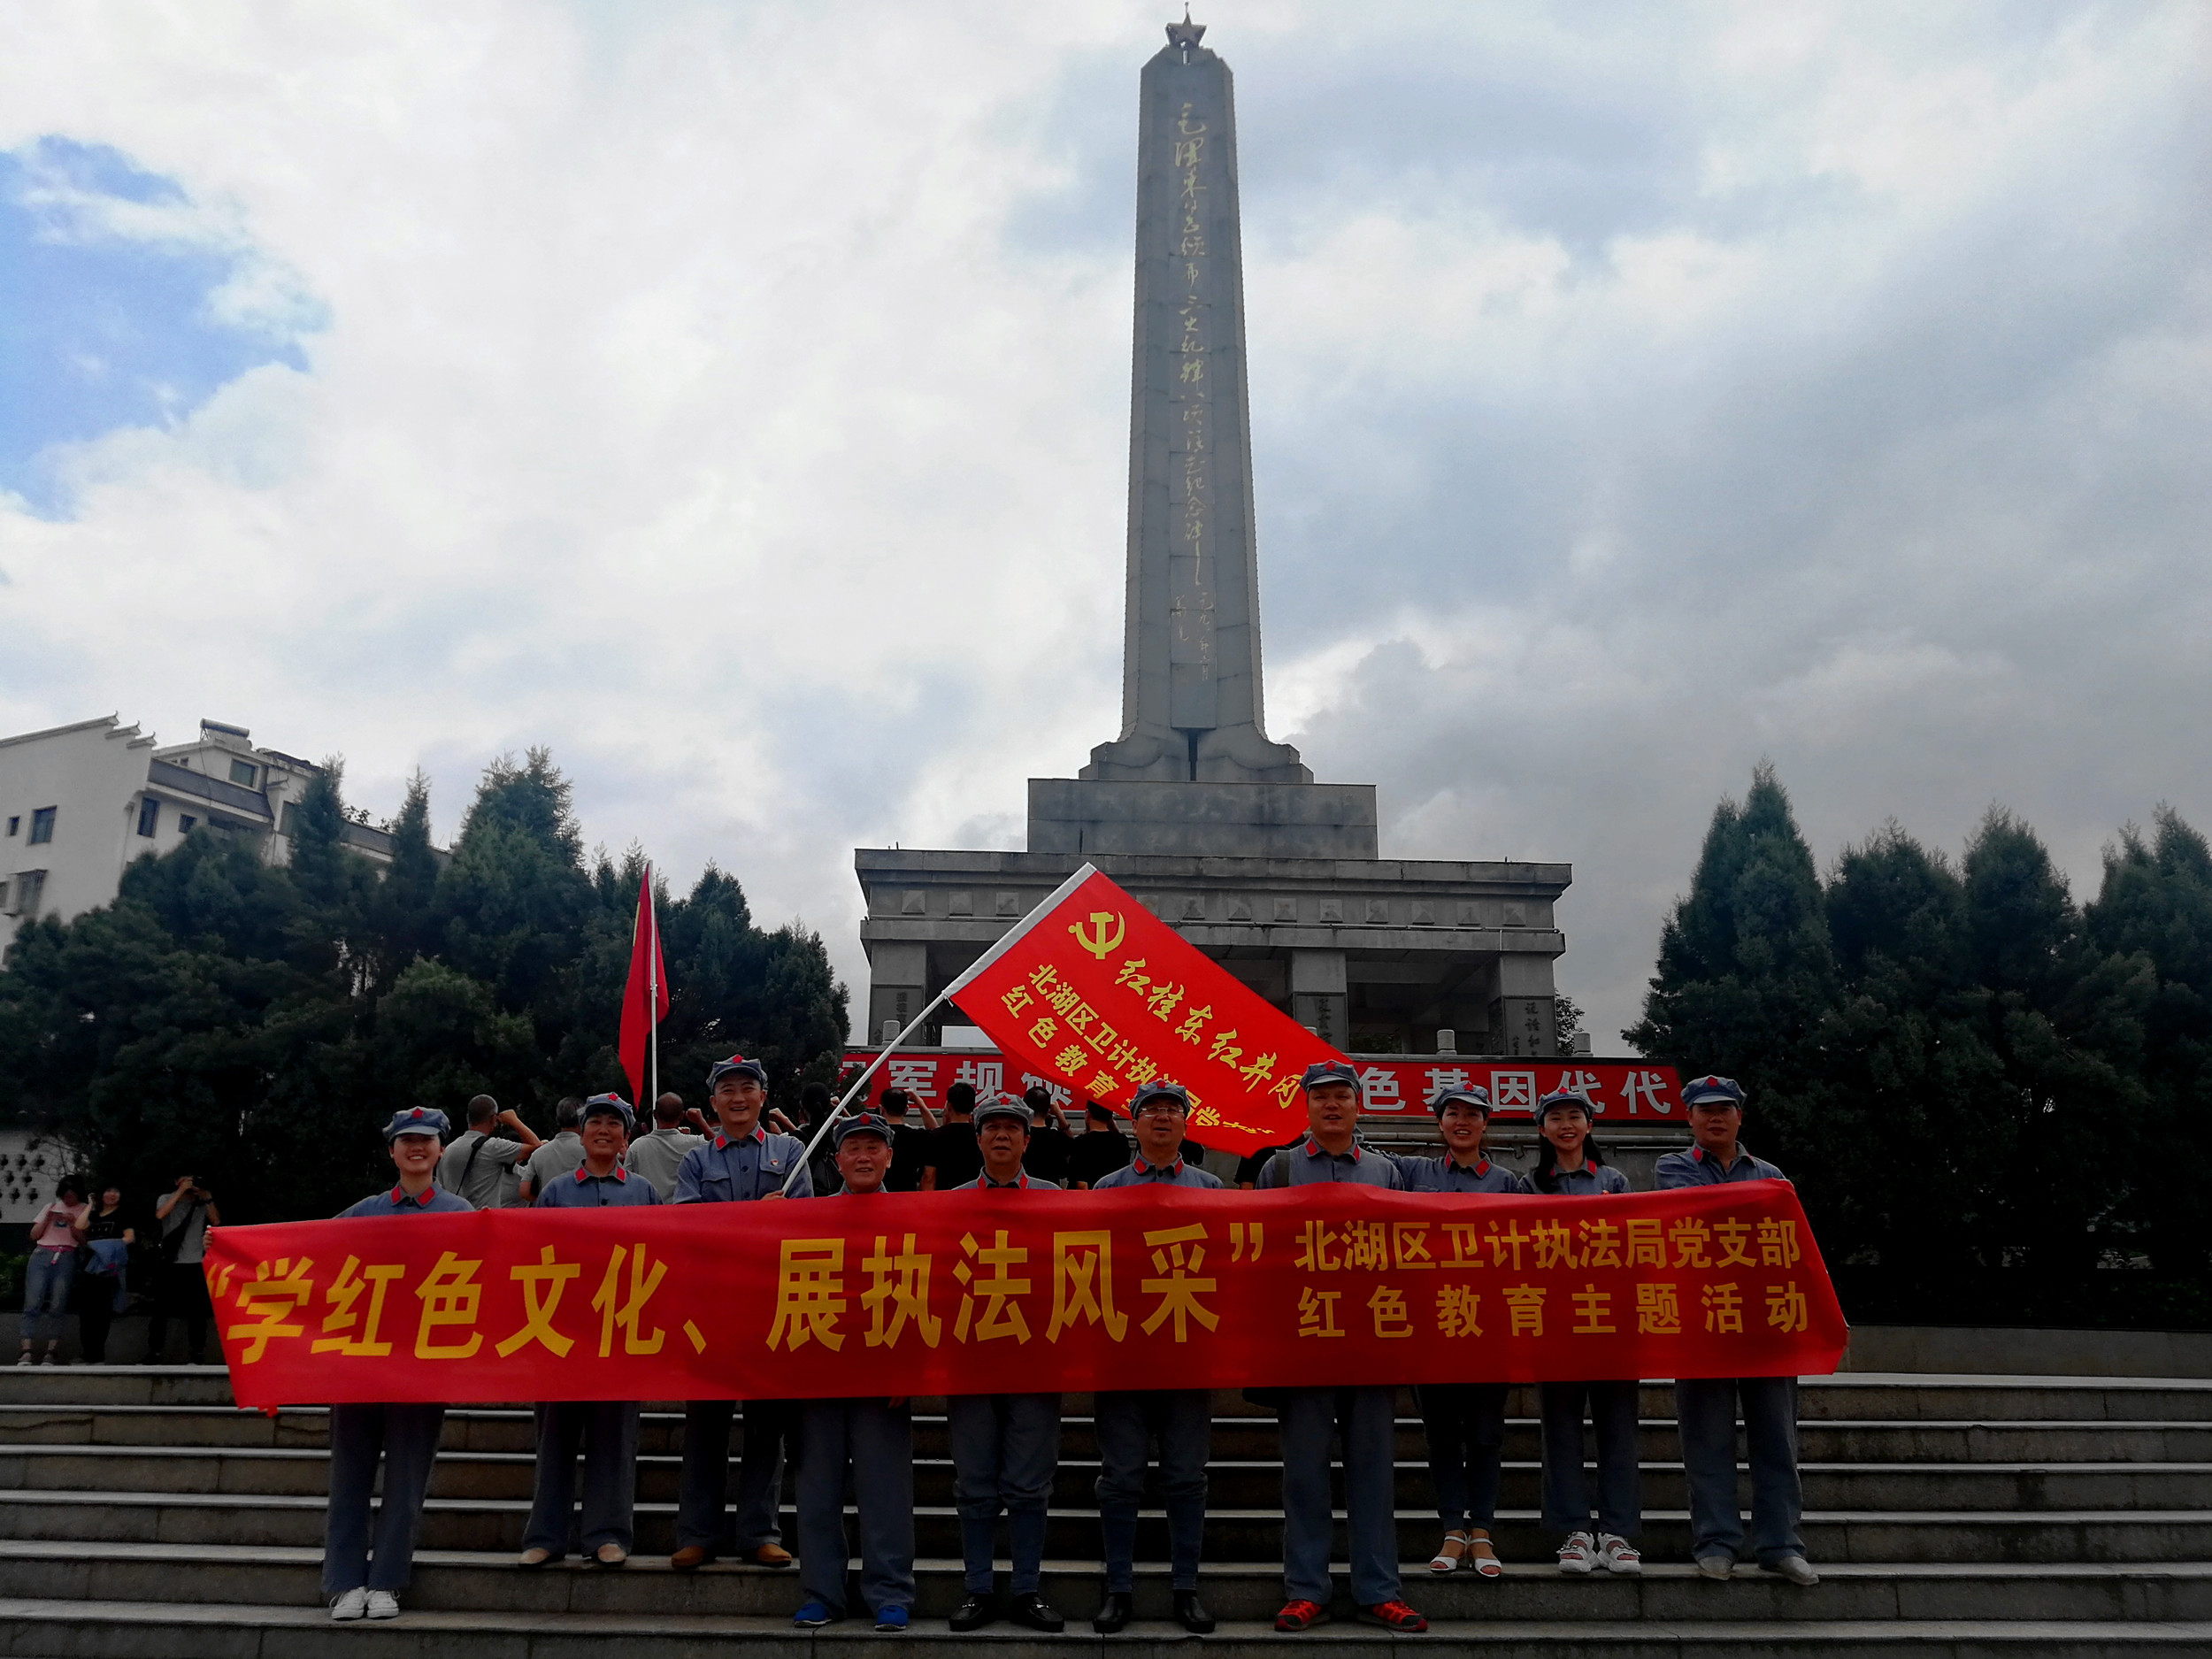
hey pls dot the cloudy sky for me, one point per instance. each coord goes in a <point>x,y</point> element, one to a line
<point>733,398</point>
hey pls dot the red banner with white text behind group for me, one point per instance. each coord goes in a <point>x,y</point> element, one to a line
<point>1036,1291</point>
<point>1628,1094</point>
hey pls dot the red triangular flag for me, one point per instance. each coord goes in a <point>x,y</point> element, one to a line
<point>645,999</point>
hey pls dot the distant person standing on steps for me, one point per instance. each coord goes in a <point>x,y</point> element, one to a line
<point>105,1277</point>
<point>952,1159</point>
<point>1705,1406</point>
<point>1099,1150</point>
<point>658,1156</point>
<point>476,1164</point>
<point>56,1232</point>
<point>909,1146</point>
<point>180,1288</point>
<point>743,1163</point>
<point>555,1157</point>
<point>365,1566</point>
<point>1570,1165</point>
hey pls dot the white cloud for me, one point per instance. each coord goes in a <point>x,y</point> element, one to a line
<point>1637,396</point>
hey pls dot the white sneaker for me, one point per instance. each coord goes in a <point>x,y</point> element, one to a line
<point>1715,1566</point>
<point>351,1605</point>
<point>383,1604</point>
<point>1577,1554</point>
<point>1796,1569</point>
<point>1616,1553</point>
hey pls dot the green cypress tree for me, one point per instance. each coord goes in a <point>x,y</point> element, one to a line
<point>2155,909</point>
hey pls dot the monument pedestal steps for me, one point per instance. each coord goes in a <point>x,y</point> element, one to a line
<point>142,1514</point>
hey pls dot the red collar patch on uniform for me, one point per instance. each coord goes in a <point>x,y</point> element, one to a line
<point>1315,1149</point>
<point>399,1196</point>
<point>1175,1168</point>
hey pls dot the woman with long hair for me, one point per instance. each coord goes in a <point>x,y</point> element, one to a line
<point>1570,1165</point>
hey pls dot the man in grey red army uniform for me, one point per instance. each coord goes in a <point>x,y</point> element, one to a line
<point>742,1164</point>
<point>1005,1447</point>
<point>1705,1406</point>
<point>1179,1420</point>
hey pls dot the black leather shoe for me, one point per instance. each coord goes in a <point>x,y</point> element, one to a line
<point>974,1613</point>
<point>1191,1614</point>
<point>1034,1611</point>
<point>1115,1612</point>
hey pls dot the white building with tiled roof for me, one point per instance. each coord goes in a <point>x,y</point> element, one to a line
<point>78,802</point>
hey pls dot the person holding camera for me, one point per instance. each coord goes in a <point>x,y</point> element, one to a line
<point>185,1214</point>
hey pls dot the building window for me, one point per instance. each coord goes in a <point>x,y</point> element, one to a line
<point>185,821</point>
<point>241,772</point>
<point>148,815</point>
<point>29,888</point>
<point>12,825</point>
<point>43,826</point>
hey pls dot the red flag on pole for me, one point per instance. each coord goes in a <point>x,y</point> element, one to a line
<point>1098,994</point>
<point>645,999</point>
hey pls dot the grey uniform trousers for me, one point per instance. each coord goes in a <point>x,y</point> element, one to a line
<point>405,1438</point>
<point>605,1431</point>
<point>1705,1408</point>
<point>868,1447</point>
<point>1465,1427</point>
<point>1367,1420</point>
<point>704,1488</point>
<point>1181,1421</point>
<point>1005,1449</point>
<point>1612,1407</point>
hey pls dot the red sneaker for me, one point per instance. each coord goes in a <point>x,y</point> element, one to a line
<point>1302,1615</point>
<point>1393,1616</point>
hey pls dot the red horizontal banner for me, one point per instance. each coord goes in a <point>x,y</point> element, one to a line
<point>905,1293</point>
<point>1623,1090</point>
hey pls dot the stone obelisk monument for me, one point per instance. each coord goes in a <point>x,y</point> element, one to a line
<point>1190,700</point>
<point>1216,828</point>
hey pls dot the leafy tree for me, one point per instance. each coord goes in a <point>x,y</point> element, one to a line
<point>257,1023</point>
<point>2155,909</point>
<point>1747,974</point>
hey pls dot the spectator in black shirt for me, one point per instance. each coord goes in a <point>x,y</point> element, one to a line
<point>909,1146</point>
<point>954,1158</point>
<point>1248,1169</point>
<point>1050,1142</point>
<point>1101,1149</point>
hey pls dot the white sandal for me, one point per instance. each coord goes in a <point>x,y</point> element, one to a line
<point>1446,1559</point>
<point>1486,1565</point>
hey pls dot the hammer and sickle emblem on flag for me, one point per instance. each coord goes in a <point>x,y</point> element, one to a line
<point>1099,944</point>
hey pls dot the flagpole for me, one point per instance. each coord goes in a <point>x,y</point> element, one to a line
<point>652,1000</point>
<point>1011,937</point>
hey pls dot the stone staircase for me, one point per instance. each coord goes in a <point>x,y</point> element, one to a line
<point>142,1513</point>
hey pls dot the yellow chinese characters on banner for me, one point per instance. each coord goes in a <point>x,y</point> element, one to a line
<point>1037,1291</point>
<point>1102,996</point>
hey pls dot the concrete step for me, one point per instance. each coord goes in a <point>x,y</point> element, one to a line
<point>1231,1535</point>
<point>1856,1396</point>
<point>461,1581</point>
<point>1233,1484</point>
<point>51,1626</point>
<point>509,1429</point>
